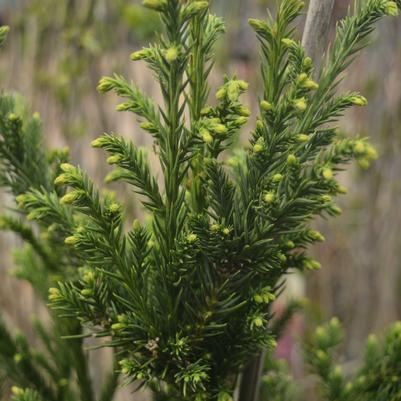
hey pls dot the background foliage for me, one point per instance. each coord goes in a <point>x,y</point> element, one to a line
<point>339,278</point>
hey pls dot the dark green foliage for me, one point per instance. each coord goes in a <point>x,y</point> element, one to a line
<point>187,299</point>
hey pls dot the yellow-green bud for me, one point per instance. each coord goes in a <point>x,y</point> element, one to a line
<point>12,117</point>
<point>358,100</point>
<point>257,321</point>
<point>106,84</point>
<point>89,277</point>
<point>287,42</point>
<point>243,85</point>
<point>63,382</point>
<point>259,146</point>
<point>391,9</point>
<point>87,292</point>
<point>364,163</point>
<point>124,106</point>
<point>371,152</point>
<point>316,235</point>
<point>300,104</point>
<point>348,387</point>
<point>310,84</point>
<point>3,33</point>
<point>307,63</point>
<point>321,355</point>
<point>326,198</point>
<point>337,372</point>
<point>219,129</point>
<point>157,5</point>
<point>125,370</point>
<point>233,90</point>
<point>54,294</point>
<point>241,120</point>
<point>136,225</point>
<point>290,244</point>
<point>269,197</point>
<point>191,238</point>
<point>277,177</point>
<point>71,197</point>
<point>258,25</point>
<point>122,318</point>
<point>244,111</point>
<point>141,54</point>
<point>292,159</point>
<point>17,390</point>
<point>67,167</point>
<point>196,7</point>
<point>302,138</point>
<point>118,326</point>
<point>302,77</point>
<point>327,173</point>
<point>32,215</point>
<point>114,208</point>
<point>60,180</point>
<point>311,264</point>
<point>21,200</point>
<point>258,299</point>
<point>215,227</point>
<point>147,126</point>
<point>226,231</point>
<point>71,240</point>
<point>266,106</point>
<point>359,147</point>
<point>97,143</point>
<point>267,294</point>
<point>205,111</point>
<point>171,54</point>
<point>221,93</point>
<point>259,124</point>
<point>282,257</point>
<point>207,138</point>
<point>113,159</point>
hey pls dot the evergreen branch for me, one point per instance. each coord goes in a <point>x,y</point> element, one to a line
<point>137,102</point>
<point>26,233</point>
<point>221,193</point>
<point>133,168</point>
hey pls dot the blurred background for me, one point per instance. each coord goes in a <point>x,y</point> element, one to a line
<point>58,50</point>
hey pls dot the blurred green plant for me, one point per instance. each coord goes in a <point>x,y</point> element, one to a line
<point>378,378</point>
<point>186,301</point>
<point>55,369</point>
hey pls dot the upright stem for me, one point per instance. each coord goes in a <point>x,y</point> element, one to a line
<point>314,41</point>
<point>317,27</point>
<point>250,382</point>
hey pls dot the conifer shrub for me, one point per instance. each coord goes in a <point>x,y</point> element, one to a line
<point>185,300</point>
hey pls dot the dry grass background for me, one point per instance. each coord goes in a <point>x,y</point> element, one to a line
<point>361,279</point>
